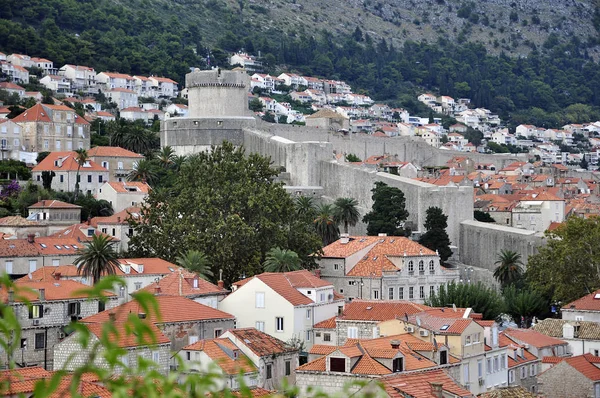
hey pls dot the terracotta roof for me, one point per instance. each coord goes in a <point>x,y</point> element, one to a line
<point>68,163</point>
<point>17,221</point>
<point>163,79</point>
<point>318,365</point>
<point>125,187</point>
<point>440,325</point>
<point>260,343</point>
<point>53,290</point>
<point>418,385</point>
<point>590,302</point>
<point>118,218</point>
<point>584,364</point>
<point>368,366</point>
<point>343,250</point>
<point>112,151</point>
<point>53,204</point>
<point>520,358</point>
<point>215,350</point>
<point>532,337</point>
<point>326,324</point>
<point>508,392</point>
<point>171,309</point>
<point>10,86</point>
<point>126,338</point>
<point>287,283</point>
<point>117,75</point>
<point>554,327</point>
<point>254,392</point>
<point>34,114</point>
<point>321,349</point>
<point>364,310</point>
<point>181,283</point>
<point>552,360</point>
<point>327,114</point>
<point>40,247</point>
<point>120,90</point>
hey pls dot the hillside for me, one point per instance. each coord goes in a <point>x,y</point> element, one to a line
<point>526,65</point>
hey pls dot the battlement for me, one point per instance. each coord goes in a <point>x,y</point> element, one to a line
<point>217,78</point>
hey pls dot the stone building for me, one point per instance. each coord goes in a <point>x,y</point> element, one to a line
<point>120,162</point>
<point>122,195</point>
<point>54,304</point>
<point>118,226</point>
<point>575,377</point>
<point>70,355</point>
<point>523,366</point>
<point>539,344</point>
<point>583,336</point>
<point>328,119</point>
<point>182,320</point>
<point>383,268</point>
<point>53,128</point>
<point>55,214</point>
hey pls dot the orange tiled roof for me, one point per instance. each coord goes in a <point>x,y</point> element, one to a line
<point>118,218</point>
<point>122,187</point>
<point>418,385</point>
<point>68,163</point>
<point>214,349</point>
<point>53,204</point>
<point>171,309</point>
<point>368,366</point>
<point>326,324</point>
<point>53,290</point>
<point>440,325</point>
<point>533,338</point>
<point>518,360</point>
<point>552,360</point>
<point>584,364</point>
<point>364,310</point>
<point>112,151</point>
<point>36,113</point>
<point>590,302</point>
<point>260,343</point>
<point>321,349</point>
<point>181,283</point>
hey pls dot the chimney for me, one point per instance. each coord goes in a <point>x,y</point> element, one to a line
<point>318,273</point>
<point>118,218</point>
<point>180,282</point>
<point>157,290</point>
<point>395,344</point>
<point>42,294</point>
<point>57,275</point>
<point>344,238</point>
<point>112,316</point>
<point>43,203</point>
<point>11,296</point>
<point>31,238</point>
<point>382,234</point>
<point>221,284</point>
<point>436,389</point>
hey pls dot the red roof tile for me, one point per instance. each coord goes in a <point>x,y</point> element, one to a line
<point>419,385</point>
<point>585,365</point>
<point>126,187</point>
<point>590,302</point>
<point>181,283</point>
<point>53,290</point>
<point>68,163</point>
<point>326,324</point>
<point>214,349</point>
<point>260,343</point>
<point>533,338</point>
<point>36,113</point>
<point>111,151</point>
<point>364,310</point>
<point>53,204</point>
<point>126,338</point>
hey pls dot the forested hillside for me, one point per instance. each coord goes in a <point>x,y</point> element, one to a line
<point>168,37</point>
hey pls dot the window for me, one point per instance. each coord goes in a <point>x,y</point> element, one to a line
<point>120,165</point>
<point>99,178</point>
<point>23,343</point>
<point>308,335</point>
<point>351,283</point>
<point>138,285</point>
<point>336,266</point>
<point>431,290</point>
<point>411,293</point>
<point>122,292</point>
<point>422,292</point>
<point>32,265</point>
<point>308,313</point>
<point>411,268</point>
<point>327,337</point>
<point>337,364</point>
<point>288,368</point>
<point>269,371</point>
<point>511,376</point>
<point>476,338</point>
<point>89,178</point>
<point>480,368</point>
<point>36,311</point>
<point>16,142</point>
<point>62,178</point>
<point>40,341</point>
<point>468,340</point>
<point>105,165</point>
<point>532,370</point>
<point>322,297</point>
<point>57,129</point>
<point>443,357</point>
<point>114,232</point>
<point>376,294</point>
<point>9,267</point>
<point>503,361</point>
<point>496,364</point>
<point>101,305</point>
<point>421,268</point>
<point>466,373</point>
<point>523,372</point>
<point>352,332</point>
<point>156,356</point>
<point>390,293</point>
<point>579,318</point>
<point>57,144</point>
<point>489,365</point>
<point>74,308</point>
<point>431,267</point>
<point>188,355</point>
<point>218,333</point>
<point>400,293</point>
<point>279,324</point>
<point>398,365</point>
<point>260,299</point>
<point>46,144</point>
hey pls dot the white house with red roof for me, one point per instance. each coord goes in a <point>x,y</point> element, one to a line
<point>118,226</point>
<point>117,160</point>
<point>285,305</point>
<point>122,195</point>
<point>82,77</point>
<point>574,377</point>
<point>13,88</point>
<point>58,84</point>
<point>123,97</point>
<point>163,87</point>
<point>586,308</point>
<point>66,169</point>
<point>54,213</point>
<point>537,211</point>
<point>177,110</point>
<point>111,80</point>
<point>383,268</point>
<point>52,128</point>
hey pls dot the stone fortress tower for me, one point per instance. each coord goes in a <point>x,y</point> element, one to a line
<point>218,111</point>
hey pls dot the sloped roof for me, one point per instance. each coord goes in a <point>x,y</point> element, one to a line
<point>68,163</point>
<point>181,283</point>
<point>326,324</point>
<point>590,302</point>
<point>508,392</point>
<point>326,114</point>
<point>36,113</point>
<point>533,338</point>
<point>125,338</point>
<point>214,349</point>
<point>554,328</point>
<point>418,385</point>
<point>261,343</point>
<point>122,187</point>
<point>17,221</point>
<point>53,204</point>
<point>365,310</point>
<point>440,325</point>
<point>112,151</point>
<point>53,290</point>
<point>584,364</point>
<point>118,218</point>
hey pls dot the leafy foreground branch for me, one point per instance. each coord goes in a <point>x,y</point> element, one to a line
<point>100,368</point>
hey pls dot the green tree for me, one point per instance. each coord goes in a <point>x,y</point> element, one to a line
<point>197,262</point>
<point>97,258</point>
<point>483,216</point>
<point>47,177</point>
<point>228,206</point>
<point>255,105</point>
<point>345,211</point>
<point>481,298</point>
<point>325,224</point>
<point>523,304</point>
<point>584,163</point>
<point>144,171</point>
<point>41,156</point>
<point>81,157</point>
<point>166,156</point>
<point>305,207</point>
<point>510,268</point>
<point>436,238</point>
<point>568,266</point>
<point>352,158</point>
<point>281,260</point>
<point>388,213</point>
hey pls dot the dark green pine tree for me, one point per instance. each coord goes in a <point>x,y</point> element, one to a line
<point>436,237</point>
<point>388,213</point>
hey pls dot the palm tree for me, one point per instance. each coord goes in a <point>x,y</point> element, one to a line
<point>305,206</point>
<point>97,258</point>
<point>81,156</point>
<point>509,269</point>
<point>195,261</point>
<point>345,212</point>
<point>143,170</point>
<point>166,156</point>
<point>325,224</point>
<point>281,260</point>
<point>178,161</point>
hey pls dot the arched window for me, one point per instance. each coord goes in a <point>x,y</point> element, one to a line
<point>431,267</point>
<point>411,267</point>
<point>421,268</point>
